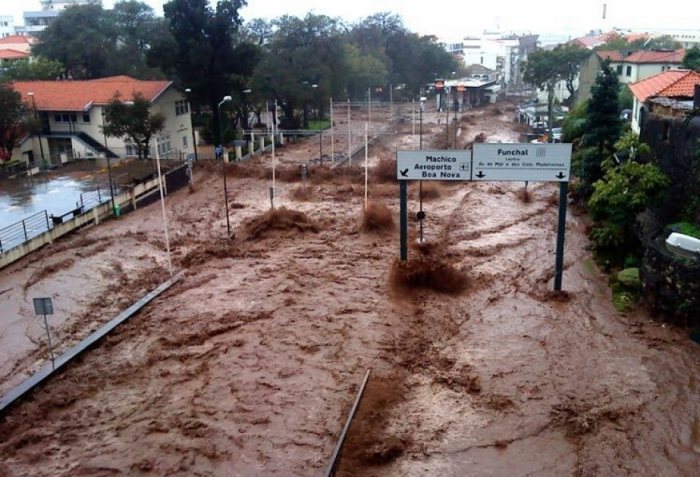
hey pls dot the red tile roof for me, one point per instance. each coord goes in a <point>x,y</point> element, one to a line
<point>670,84</point>
<point>80,95</point>
<point>656,56</point>
<point>16,39</point>
<point>612,54</point>
<point>12,54</point>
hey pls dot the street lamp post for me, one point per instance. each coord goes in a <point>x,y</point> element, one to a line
<point>109,164</point>
<point>41,146</point>
<point>189,106</point>
<point>223,166</point>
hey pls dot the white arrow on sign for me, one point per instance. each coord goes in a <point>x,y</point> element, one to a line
<point>522,162</point>
<point>433,165</point>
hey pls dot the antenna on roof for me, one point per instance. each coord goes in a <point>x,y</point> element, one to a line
<point>605,10</point>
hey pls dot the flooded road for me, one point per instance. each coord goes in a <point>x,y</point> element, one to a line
<point>251,363</point>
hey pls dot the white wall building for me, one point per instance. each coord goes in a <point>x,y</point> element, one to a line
<point>36,21</point>
<point>71,115</point>
<point>7,25</point>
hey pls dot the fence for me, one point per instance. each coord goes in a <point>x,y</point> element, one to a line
<point>27,235</point>
<point>20,232</point>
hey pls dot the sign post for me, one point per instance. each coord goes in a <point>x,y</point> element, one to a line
<point>44,306</point>
<point>489,162</point>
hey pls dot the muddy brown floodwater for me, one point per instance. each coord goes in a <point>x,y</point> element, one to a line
<point>249,365</point>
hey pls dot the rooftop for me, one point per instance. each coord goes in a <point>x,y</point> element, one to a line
<point>643,56</point>
<point>81,95</point>
<point>12,55</point>
<point>669,84</point>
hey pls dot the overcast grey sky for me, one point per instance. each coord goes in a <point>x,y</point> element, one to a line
<point>456,19</point>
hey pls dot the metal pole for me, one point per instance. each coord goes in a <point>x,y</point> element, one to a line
<point>109,165</point>
<point>447,119</point>
<point>421,126</point>
<point>561,230</point>
<point>48,336</point>
<point>332,140</point>
<point>223,168</point>
<point>366,161</point>
<point>391,102</point>
<point>162,205</point>
<point>320,146</point>
<point>349,136</point>
<point>420,208</point>
<point>274,161</point>
<point>403,220</point>
<point>194,137</point>
<point>369,106</point>
<point>414,117</point>
<point>41,145</point>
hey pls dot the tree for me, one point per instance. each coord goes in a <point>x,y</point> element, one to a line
<point>624,191</point>
<point>40,69</point>
<point>11,113</point>
<point>663,42</point>
<point>602,128</point>
<point>543,69</point>
<point>82,38</point>
<point>691,60</point>
<point>133,120</point>
<point>569,57</point>
<point>136,28</point>
<point>205,50</point>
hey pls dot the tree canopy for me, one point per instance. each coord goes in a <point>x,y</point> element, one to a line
<point>91,42</point>
<point>691,60</point>
<point>11,111</point>
<point>134,121</point>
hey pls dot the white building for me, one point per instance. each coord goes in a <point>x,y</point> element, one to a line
<point>36,21</point>
<point>7,25</point>
<point>495,51</point>
<point>71,116</point>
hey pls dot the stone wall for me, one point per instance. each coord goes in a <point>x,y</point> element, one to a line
<point>670,284</point>
<point>677,153</point>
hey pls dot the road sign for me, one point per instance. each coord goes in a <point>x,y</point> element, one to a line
<point>522,162</point>
<point>43,306</point>
<point>433,165</point>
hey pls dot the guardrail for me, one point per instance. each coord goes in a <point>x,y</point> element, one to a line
<point>91,199</point>
<point>24,230</point>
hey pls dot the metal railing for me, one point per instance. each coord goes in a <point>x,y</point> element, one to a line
<point>24,230</point>
<point>91,199</point>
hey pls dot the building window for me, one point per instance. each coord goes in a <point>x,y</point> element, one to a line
<point>86,118</point>
<point>629,71</point>
<point>65,117</point>
<point>181,107</point>
<point>163,143</point>
<point>619,70</point>
<point>131,149</point>
<point>184,142</point>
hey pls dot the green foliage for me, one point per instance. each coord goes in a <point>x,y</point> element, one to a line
<point>624,301</point>
<point>11,114</point>
<point>630,145</point>
<point>133,120</point>
<point>40,69</point>
<point>618,197</point>
<point>691,60</point>
<point>626,97</point>
<point>685,228</point>
<point>629,277</point>
<point>603,126</point>
<point>631,261</point>
<point>663,42</point>
<point>205,50</point>
<point>574,124</point>
<point>91,42</point>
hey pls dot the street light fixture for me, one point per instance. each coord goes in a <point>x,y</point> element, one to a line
<point>223,167</point>
<point>189,106</point>
<point>109,165</point>
<point>41,146</point>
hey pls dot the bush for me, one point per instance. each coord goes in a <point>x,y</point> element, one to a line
<point>629,277</point>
